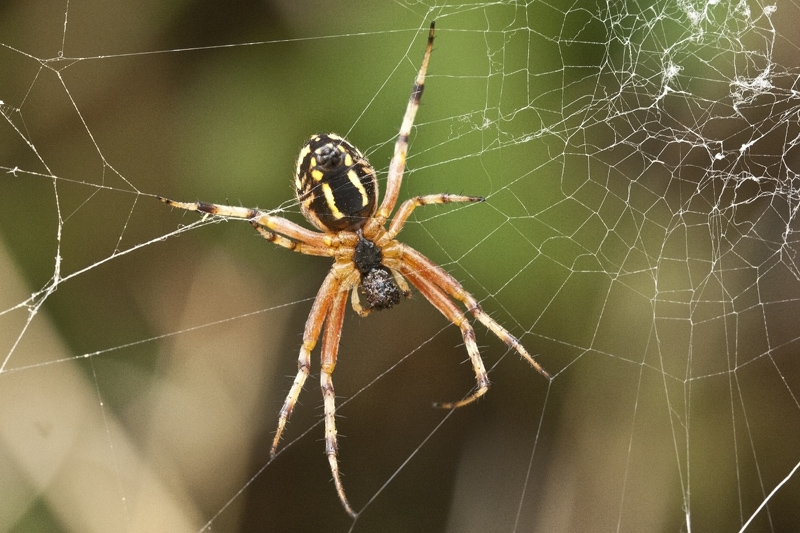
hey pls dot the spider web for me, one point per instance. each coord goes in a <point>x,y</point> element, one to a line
<point>640,235</point>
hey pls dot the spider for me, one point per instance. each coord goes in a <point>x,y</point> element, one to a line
<point>338,193</point>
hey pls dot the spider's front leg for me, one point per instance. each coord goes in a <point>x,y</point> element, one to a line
<point>330,349</point>
<point>319,311</point>
<point>328,309</point>
<point>445,305</point>
<point>447,283</point>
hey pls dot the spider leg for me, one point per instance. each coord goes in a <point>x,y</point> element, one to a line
<point>277,224</point>
<point>293,245</point>
<point>422,266</point>
<point>409,205</point>
<point>398,162</point>
<point>356,302</point>
<point>319,311</point>
<point>444,304</point>
<point>330,349</point>
<point>401,283</point>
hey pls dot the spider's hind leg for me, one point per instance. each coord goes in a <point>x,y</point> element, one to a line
<point>213,209</point>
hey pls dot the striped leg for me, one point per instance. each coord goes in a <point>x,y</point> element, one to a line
<point>398,162</point>
<point>444,304</point>
<point>407,207</point>
<point>280,225</point>
<point>319,311</point>
<point>426,268</point>
<point>292,245</point>
<point>330,349</point>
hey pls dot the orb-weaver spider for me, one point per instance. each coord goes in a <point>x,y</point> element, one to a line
<point>338,193</point>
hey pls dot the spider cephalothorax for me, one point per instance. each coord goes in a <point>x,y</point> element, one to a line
<point>338,193</point>
<point>377,282</point>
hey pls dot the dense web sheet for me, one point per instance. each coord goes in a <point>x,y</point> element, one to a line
<point>640,235</point>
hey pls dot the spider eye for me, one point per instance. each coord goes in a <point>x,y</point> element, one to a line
<point>335,184</point>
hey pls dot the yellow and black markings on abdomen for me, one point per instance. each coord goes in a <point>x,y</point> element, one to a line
<point>336,185</point>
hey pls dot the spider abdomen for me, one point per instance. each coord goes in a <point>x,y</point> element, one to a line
<point>335,184</point>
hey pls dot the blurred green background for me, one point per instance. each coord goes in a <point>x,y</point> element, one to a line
<point>144,394</point>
